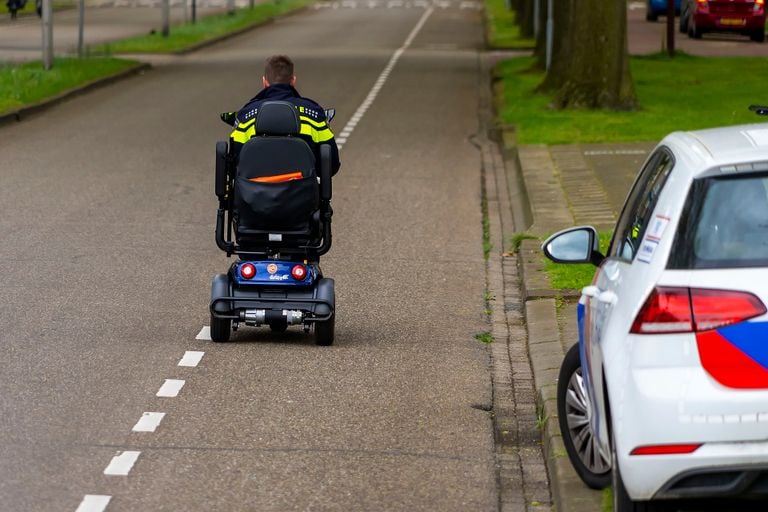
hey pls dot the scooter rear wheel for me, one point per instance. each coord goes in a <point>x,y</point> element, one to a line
<point>221,328</point>
<point>325,331</point>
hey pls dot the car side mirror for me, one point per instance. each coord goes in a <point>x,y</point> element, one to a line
<point>574,245</point>
<point>229,117</point>
<point>330,113</point>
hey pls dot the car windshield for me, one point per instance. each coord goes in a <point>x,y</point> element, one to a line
<point>727,225</point>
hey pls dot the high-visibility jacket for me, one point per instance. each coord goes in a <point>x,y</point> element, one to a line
<point>314,126</point>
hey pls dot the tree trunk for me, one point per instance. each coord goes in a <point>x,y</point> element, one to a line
<point>524,17</point>
<point>593,70</point>
<point>540,52</point>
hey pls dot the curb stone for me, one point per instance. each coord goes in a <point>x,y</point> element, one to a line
<point>548,341</point>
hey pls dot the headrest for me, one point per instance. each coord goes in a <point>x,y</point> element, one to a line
<point>277,118</point>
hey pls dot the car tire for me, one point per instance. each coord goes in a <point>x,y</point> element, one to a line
<point>758,36</point>
<point>325,331</point>
<point>651,15</point>
<point>683,23</point>
<point>573,418</point>
<point>220,329</point>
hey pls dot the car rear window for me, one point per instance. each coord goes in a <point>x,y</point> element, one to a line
<point>725,224</point>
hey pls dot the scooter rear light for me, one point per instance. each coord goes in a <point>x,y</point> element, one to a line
<point>666,449</point>
<point>679,310</point>
<point>247,271</point>
<point>299,272</point>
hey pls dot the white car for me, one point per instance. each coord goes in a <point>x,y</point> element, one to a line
<point>666,395</point>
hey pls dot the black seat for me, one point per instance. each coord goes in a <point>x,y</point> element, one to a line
<point>276,193</point>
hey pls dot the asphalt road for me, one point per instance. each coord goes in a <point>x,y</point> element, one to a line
<point>107,214</point>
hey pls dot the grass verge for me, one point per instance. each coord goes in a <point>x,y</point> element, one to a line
<point>680,93</point>
<point>503,31</point>
<point>188,36</point>
<point>26,84</point>
<point>574,277</point>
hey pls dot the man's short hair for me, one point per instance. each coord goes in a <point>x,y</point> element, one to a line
<point>278,69</point>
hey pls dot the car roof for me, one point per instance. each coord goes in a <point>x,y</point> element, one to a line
<point>703,150</point>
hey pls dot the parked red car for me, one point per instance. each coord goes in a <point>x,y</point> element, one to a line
<point>742,16</point>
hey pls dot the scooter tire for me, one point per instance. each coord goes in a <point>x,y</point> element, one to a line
<point>325,331</point>
<point>221,328</point>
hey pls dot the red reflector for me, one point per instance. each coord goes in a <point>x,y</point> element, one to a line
<point>299,272</point>
<point>678,310</point>
<point>247,271</point>
<point>665,449</point>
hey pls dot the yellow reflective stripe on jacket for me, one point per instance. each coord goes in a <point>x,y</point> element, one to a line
<point>317,124</point>
<point>245,125</point>
<point>319,131</point>
<point>318,136</point>
<point>243,135</point>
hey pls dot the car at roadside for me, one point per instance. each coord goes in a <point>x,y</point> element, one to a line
<point>665,395</point>
<point>745,17</point>
<point>656,8</point>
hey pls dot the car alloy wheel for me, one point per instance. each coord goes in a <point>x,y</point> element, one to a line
<point>573,411</point>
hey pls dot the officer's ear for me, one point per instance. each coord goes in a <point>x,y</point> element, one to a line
<point>293,81</point>
<point>264,81</point>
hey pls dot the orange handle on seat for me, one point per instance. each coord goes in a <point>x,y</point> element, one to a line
<point>278,178</point>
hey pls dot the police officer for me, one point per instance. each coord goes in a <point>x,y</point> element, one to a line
<point>279,81</point>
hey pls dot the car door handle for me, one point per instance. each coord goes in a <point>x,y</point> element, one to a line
<point>607,297</point>
<point>590,291</point>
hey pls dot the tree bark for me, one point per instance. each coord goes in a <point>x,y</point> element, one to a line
<point>524,17</point>
<point>540,52</point>
<point>592,67</point>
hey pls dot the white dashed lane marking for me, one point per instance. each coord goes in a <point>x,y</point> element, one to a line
<point>368,101</point>
<point>191,358</point>
<point>93,503</point>
<point>121,464</point>
<point>148,422</point>
<point>204,334</point>
<point>170,388</point>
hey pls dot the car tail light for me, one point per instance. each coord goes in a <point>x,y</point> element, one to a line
<point>247,271</point>
<point>758,5</point>
<point>667,310</point>
<point>713,309</point>
<point>665,449</point>
<point>299,272</point>
<point>677,310</point>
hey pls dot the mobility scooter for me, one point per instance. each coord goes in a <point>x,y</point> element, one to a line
<point>274,215</point>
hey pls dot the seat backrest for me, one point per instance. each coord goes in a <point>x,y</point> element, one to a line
<point>276,149</point>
